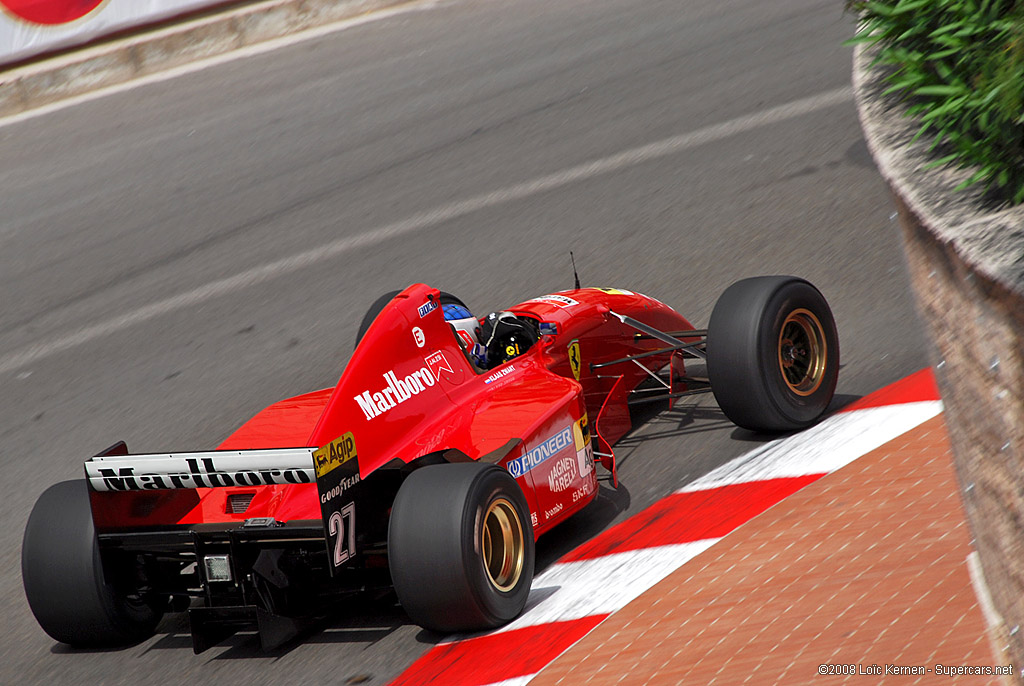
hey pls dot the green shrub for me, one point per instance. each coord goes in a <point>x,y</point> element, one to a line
<point>959,64</point>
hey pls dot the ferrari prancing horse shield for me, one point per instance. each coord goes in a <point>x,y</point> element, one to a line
<point>574,358</point>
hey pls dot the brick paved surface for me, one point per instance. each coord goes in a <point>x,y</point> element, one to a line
<point>864,567</point>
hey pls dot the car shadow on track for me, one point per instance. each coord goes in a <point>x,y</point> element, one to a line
<point>837,404</point>
<point>651,422</point>
<point>580,528</point>
<point>363,620</point>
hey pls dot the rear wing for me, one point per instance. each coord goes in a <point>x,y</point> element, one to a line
<point>116,470</point>
<point>130,491</point>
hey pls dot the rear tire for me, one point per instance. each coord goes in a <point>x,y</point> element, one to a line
<point>380,303</point>
<point>63,576</point>
<point>773,353</point>
<point>460,547</point>
<point>376,308</point>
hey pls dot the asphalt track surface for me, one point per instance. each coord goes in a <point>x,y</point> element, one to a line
<point>175,257</point>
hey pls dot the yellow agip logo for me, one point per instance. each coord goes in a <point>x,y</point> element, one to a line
<point>334,454</point>
<point>574,359</point>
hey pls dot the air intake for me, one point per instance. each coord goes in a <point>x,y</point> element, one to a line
<point>239,502</point>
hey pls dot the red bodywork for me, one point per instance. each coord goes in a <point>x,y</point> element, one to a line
<point>410,391</point>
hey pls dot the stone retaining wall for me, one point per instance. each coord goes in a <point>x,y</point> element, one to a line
<point>966,262</point>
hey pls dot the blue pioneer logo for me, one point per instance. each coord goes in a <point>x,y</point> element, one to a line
<point>552,446</point>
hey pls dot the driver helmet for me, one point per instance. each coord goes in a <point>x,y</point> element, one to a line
<point>505,336</point>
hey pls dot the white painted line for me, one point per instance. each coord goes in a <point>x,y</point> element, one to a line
<point>217,60</point>
<point>518,681</point>
<point>602,585</point>
<point>822,449</point>
<point>425,220</point>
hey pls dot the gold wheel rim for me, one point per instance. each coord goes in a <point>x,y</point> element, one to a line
<point>803,352</point>
<point>503,545</point>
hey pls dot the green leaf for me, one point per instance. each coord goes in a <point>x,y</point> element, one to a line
<point>879,9</point>
<point>979,175</point>
<point>947,28</point>
<point>942,160</point>
<point>939,90</point>
<point>949,41</point>
<point>865,38</point>
<point>910,6</point>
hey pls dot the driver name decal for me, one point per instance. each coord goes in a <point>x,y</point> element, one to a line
<point>552,446</point>
<point>501,373</point>
<point>395,393</point>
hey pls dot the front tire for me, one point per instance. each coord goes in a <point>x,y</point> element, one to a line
<point>460,547</point>
<point>64,581</point>
<point>773,353</point>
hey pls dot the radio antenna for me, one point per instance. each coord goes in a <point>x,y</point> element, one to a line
<point>575,275</point>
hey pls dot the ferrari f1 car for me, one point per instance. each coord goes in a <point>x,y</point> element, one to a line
<point>448,445</point>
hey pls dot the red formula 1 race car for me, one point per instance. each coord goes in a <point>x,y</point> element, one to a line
<point>448,446</point>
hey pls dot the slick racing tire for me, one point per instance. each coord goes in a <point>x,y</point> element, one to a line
<point>380,303</point>
<point>64,580</point>
<point>772,353</point>
<point>460,547</point>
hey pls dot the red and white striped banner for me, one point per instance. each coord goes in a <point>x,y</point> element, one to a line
<point>33,27</point>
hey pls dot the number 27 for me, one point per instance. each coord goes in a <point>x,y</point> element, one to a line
<point>336,524</point>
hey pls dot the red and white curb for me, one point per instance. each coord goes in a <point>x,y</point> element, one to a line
<point>606,573</point>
